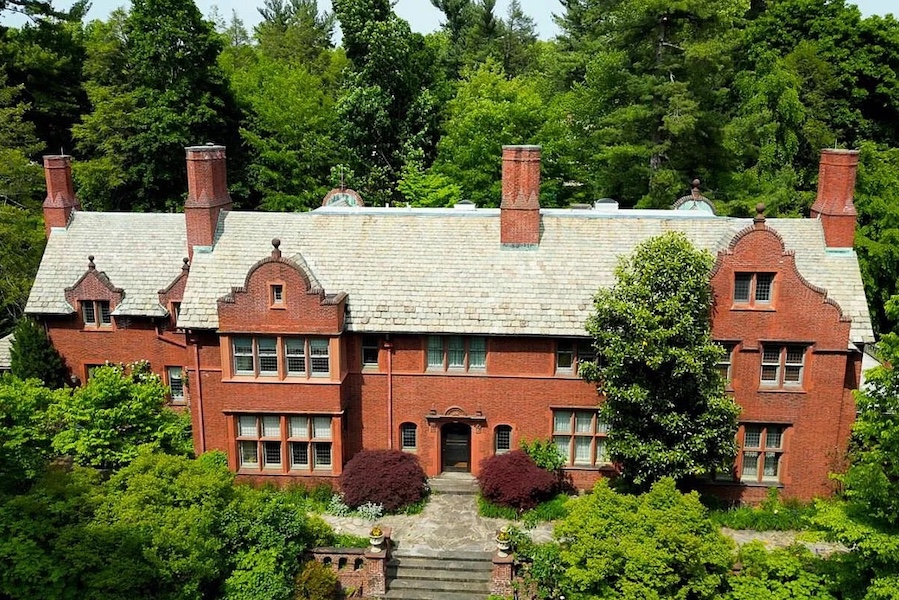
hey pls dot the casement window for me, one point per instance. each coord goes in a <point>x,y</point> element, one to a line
<point>762,453</point>
<point>263,439</point>
<point>276,294</point>
<point>753,288</point>
<point>369,351</point>
<point>175,378</point>
<point>457,353</point>
<point>725,365</point>
<point>580,436</point>
<point>783,366</point>
<point>409,437</point>
<point>502,439</point>
<point>281,357</point>
<point>96,313</point>
<point>571,352</point>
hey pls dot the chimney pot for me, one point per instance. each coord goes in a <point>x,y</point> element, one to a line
<point>833,205</point>
<point>60,202</point>
<point>520,207</point>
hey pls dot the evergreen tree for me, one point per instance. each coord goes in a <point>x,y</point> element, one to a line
<point>664,400</point>
<point>33,356</point>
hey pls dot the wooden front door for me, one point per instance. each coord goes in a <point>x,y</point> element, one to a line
<point>456,447</point>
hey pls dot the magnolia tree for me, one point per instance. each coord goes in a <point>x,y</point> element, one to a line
<point>664,399</point>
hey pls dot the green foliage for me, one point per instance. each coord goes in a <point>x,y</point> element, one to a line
<point>24,432</point>
<point>790,574</point>
<point>32,355</point>
<point>317,582</point>
<point>773,514</point>
<point>104,423</point>
<point>665,404</point>
<point>544,453</point>
<point>550,510</point>
<point>657,545</point>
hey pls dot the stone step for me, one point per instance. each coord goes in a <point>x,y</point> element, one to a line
<point>433,595</point>
<point>460,485</point>
<point>437,585</point>
<point>423,573</point>
<point>429,564</point>
<point>453,555</point>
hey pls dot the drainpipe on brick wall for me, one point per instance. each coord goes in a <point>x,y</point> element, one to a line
<point>199,395</point>
<point>388,345</point>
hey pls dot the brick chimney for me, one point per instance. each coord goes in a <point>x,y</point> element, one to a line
<point>61,200</point>
<point>520,207</point>
<point>834,207</point>
<point>207,194</point>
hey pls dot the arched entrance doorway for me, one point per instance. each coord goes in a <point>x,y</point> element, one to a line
<point>455,448</point>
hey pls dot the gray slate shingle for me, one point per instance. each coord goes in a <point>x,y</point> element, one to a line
<point>5,361</point>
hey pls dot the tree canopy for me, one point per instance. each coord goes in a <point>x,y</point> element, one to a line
<point>662,396</point>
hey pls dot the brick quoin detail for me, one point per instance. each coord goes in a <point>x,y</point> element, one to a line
<point>833,205</point>
<point>520,207</point>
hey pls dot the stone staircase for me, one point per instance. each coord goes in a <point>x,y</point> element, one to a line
<point>439,576</point>
<point>463,484</point>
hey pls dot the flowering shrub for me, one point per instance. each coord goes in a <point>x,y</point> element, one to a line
<point>513,479</point>
<point>391,478</point>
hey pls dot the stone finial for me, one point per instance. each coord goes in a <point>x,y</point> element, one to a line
<point>186,266</point>
<point>695,189</point>
<point>90,263</point>
<point>759,218</point>
<point>276,248</point>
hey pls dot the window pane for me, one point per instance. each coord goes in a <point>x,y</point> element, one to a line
<point>772,460</point>
<point>795,354</point>
<point>176,383</point>
<point>90,316</point>
<point>583,422</point>
<point>435,352</point>
<point>299,454</point>
<point>277,294</point>
<point>601,426</point>
<point>369,350</point>
<point>295,352</point>
<point>319,361</point>
<point>247,426</point>
<point>408,434</point>
<point>564,356</point>
<point>299,428</point>
<point>763,287</point>
<point>750,464</point>
<point>602,456</point>
<point>268,356</point>
<point>242,348</point>
<point>456,352</point>
<point>271,426</point>
<point>563,444</point>
<point>503,439</point>
<point>477,353</point>
<point>249,453</point>
<point>105,316</point>
<point>792,374</point>
<point>322,454</point>
<point>272,454</point>
<point>769,373</point>
<point>741,287</point>
<point>321,428</point>
<point>562,421</point>
<point>752,438</point>
<point>585,351</point>
<point>582,450</point>
<point>774,436</point>
<point>771,354</point>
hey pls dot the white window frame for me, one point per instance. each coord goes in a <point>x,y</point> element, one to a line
<point>756,283</point>
<point>409,437</point>
<point>258,434</point>
<point>456,353</point>
<point>173,375</point>
<point>788,374</point>
<point>313,353</point>
<point>569,353</point>
<point>370,343</point>
<point>506,430</point>
<point>725,366</point>
<point>100,313</point>
<point>755,459</point>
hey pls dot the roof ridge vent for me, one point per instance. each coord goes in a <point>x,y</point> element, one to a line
<point>605,205</point>
<point>465,205</point>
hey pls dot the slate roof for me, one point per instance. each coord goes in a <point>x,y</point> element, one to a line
<point>5,345</point>
<point>444,270</point>
<point>140,253</point>
<point>412,270</point>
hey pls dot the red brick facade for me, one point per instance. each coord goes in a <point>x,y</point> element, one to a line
<point>290,393</point>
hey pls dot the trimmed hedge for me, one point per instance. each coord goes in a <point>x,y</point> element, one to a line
<point>391,478</point>
<point>514,479</point>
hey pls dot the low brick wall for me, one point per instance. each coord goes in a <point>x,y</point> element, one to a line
<point>361,572</point>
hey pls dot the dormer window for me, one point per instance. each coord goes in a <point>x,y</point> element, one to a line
<point>96,313</point>
<point>277,294</point>
<point>753,288</point>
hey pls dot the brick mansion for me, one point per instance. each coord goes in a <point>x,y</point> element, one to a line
<point>296,340</point>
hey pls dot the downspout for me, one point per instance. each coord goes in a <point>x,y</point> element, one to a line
<point>199,394</point>
<point>388,346</point>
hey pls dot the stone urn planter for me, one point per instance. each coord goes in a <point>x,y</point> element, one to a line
<point>376,538</point>
<point>503,541</point>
